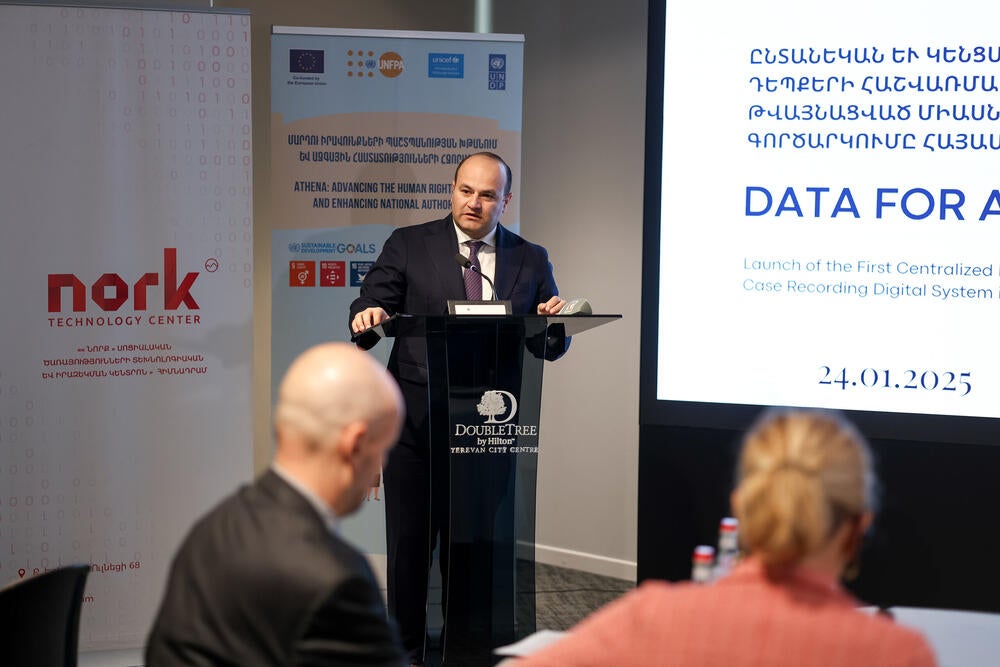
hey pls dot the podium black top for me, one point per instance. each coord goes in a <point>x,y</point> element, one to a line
<point>403,324</point>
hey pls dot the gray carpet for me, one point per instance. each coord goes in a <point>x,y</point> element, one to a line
<point>563,597</point>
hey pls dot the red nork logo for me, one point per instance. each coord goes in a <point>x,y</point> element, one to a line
<point>110,291</point>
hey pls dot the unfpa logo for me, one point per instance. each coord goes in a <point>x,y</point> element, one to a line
<point>110,291</point>
<point>363,64</point>
<point>390,64</point>
<point>492,405</point>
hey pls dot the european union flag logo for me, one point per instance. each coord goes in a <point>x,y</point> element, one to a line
<point>305,61</point>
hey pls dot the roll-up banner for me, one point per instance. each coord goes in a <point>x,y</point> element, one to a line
<point>367,129</point>
<point>125,290</point>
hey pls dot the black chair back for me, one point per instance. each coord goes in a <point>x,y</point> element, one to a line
<point>40,619</point>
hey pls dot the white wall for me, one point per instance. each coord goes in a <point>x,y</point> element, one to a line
<point>583,131</point>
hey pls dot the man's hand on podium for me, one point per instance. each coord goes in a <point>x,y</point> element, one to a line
<point>368,318</point>
<point>552,306</point>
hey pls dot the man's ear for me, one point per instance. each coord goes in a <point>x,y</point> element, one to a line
<point>351,440</point>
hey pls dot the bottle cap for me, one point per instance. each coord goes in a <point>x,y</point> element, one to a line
<point>704,554</point>
<point>729,524</point>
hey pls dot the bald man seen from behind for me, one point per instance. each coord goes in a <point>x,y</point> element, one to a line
<point>265,578</point>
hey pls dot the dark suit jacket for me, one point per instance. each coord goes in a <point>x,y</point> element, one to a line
<point>417,274</point>
<point>260,580</point>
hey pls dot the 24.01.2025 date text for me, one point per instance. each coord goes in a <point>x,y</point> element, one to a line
<point>873,378</point>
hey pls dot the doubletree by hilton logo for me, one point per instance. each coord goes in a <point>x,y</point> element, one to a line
<point>499,407</point>
<point>497,434</point>
<point>493,406</point>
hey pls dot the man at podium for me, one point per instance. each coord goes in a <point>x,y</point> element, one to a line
<point>417,274</point>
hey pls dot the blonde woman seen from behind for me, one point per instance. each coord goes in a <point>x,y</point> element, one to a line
<point>804,500</point>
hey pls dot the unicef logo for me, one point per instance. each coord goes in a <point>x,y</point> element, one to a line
<point>494,406</point>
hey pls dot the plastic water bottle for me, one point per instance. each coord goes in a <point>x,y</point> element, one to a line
<point>701,564</point>
<point>729,546</point>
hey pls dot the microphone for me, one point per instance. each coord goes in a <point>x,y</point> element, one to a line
<point>466,263</point>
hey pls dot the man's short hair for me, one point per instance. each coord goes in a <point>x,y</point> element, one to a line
<point>503,165</point>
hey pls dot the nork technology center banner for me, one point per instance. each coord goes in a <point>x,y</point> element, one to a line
<point>125,286</point>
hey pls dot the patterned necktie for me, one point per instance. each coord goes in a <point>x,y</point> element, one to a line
<point>473,279</point>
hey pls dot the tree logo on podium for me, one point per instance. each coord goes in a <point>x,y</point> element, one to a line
<point>492,405</point>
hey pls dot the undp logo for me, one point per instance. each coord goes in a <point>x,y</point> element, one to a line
<point>497,71</point>
<point>498,406</point>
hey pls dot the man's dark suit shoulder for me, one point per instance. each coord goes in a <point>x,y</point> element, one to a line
<point>261,580</point>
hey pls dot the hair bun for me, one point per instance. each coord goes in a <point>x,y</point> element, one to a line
<point>801,472</point>
<point>794,466</point>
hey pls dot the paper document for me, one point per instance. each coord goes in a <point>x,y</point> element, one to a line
<point>531,643</point>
